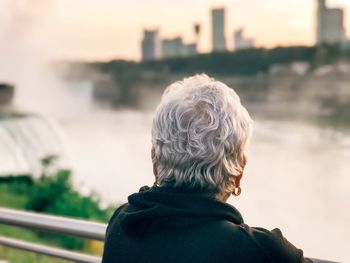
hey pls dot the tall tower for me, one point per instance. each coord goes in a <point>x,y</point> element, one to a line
<point>197,32</point>
<point>218,30</point>
<point>320,21</point>
<point>151,46</point>
<point>330,24</point>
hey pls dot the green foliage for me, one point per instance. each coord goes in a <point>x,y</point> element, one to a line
<point>14,191</point>
<point>51,193</point>
<point>242,62</point>
<point>126,75</point>
<point>48,190</point>
<point>16,256</point>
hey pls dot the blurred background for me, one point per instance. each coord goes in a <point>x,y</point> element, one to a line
<point>79,81</point>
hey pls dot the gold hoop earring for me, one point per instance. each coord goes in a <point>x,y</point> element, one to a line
<point>237,191</point>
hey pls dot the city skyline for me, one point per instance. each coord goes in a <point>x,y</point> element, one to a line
<point>112,29</point>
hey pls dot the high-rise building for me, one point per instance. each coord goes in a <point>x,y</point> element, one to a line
<point>241,42</point>
<point>218,30</point>
<point>173,48</point>
<point>151,46</point>
<point>330,24</point>
<point>190,50</point>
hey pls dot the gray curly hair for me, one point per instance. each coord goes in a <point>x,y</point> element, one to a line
<point>199,135</point>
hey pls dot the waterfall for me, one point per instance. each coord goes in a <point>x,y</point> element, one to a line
<point>24,141</point>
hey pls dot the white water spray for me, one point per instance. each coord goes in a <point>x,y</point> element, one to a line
<point>29,43</point>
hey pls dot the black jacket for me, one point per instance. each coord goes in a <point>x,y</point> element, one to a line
<point>168,225</point>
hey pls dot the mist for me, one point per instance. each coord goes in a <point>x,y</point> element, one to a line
<point>297,173</point>
<point>30,44</point>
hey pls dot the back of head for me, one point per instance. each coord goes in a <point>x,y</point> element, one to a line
<point>199,135</point>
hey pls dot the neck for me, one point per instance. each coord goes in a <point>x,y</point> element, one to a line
<point>223,197</point>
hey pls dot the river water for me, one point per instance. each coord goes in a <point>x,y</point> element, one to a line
<point>296,179</point>
<point>297,176</point>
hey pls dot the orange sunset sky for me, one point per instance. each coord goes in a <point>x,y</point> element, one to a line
<point>107,29</point>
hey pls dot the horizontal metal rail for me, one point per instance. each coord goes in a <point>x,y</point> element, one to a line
<point>63,225</point>
<point>49,251</point>
<point>315,260</point>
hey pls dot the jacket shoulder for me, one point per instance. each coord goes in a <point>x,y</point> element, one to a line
<point>275,246</point>
<point>112,220</point>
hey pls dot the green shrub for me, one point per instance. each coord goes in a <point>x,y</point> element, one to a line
<point>51,193</point>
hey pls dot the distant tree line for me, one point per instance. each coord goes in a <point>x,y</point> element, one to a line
<point>124,77</point>
<point>243,62</point>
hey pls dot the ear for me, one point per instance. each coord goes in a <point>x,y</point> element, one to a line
<point>244,160</point>
<point>239,176</point>
<point>237,179</point>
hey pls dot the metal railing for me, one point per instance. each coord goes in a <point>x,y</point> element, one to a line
<point>62,225</point>
<point>57,224</point>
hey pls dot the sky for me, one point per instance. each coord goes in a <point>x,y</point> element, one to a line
<point>108,29</point>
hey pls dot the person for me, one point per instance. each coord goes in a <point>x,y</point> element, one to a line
<point>200,134</point>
